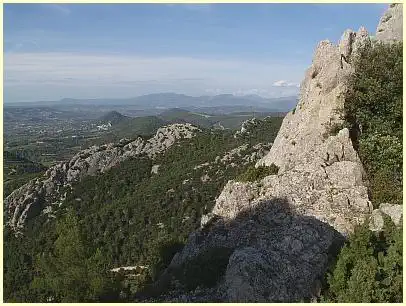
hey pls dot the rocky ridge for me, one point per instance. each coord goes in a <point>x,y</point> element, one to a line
<point>242,155</point>
<point>43,193</point>
<point>246,127</point>
<point>284,229</point>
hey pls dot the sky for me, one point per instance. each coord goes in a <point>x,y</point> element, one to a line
<point>55,51</point>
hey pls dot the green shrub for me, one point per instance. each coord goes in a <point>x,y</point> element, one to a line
<point>333,129</point>
<point>71,273</point>
<point>253,174</point>
<point>373,112</point>
<point>369,268</point>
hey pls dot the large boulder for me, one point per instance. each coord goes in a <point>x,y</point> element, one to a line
<point>393,211</point>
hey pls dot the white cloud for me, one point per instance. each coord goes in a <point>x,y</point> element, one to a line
<point>33,76</point>
<point>283,83</point>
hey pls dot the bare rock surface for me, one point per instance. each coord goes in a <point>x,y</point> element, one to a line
<point>390,27</point>
<point>320,172</point>
<point>30,199</point>
<point>246,127</point>
<point>155,169</point>
<point>328,185</point>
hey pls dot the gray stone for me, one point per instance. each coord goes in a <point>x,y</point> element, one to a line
<point>321,175</point>
<point>390,27</point>
<point>278,255</point>
<point>376,222</point>
<point>394,211</point>
<point>154,169</point>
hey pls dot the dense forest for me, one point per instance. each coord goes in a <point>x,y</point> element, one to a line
<point>18,170</point>
<point>130,215</point>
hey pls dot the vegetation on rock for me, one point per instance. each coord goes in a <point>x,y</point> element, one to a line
<point>253,174</point>
<point>373,110</point>
<point>71,272</point>
<point>369,267</point>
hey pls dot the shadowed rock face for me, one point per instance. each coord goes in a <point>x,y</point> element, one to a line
<point>30,199</point>
<point>276,255</point>
<point>283,228</point>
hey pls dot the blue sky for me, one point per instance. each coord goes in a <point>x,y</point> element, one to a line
<point>53,51</point>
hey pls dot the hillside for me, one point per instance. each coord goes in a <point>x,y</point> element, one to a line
<point>180,115</point>
<point>17,171</point>
<point>201,207</point>
<point>162,197</point>
<point>113,117</point>
<point>231,121</point>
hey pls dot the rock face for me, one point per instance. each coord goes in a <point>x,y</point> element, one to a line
<point>284,228</point>
<point>320,172</point>
<point>390,26</point>
<point>277,256</point>
<point>30,199</point>
<point>393,211</point>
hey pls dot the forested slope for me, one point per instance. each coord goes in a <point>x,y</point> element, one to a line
<point>136,214</point>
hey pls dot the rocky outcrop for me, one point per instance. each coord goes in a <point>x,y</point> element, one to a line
<point>277,255</point>
<point>393,211</point>
<point>32,198</point>
<point>239,156</point>
<point>247,126</point>
<point>390,27</point>
<point>284,228</point>
<point>319,171</point>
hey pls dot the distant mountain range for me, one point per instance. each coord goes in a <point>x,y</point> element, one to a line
<point>173,100</point>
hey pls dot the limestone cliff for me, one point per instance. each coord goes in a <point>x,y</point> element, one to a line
<point>284,228</point>
<point>390,26</point>
<point>42,193</point>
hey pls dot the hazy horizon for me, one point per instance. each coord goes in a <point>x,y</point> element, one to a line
<point>116,51</point>
<point>151,94</point>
